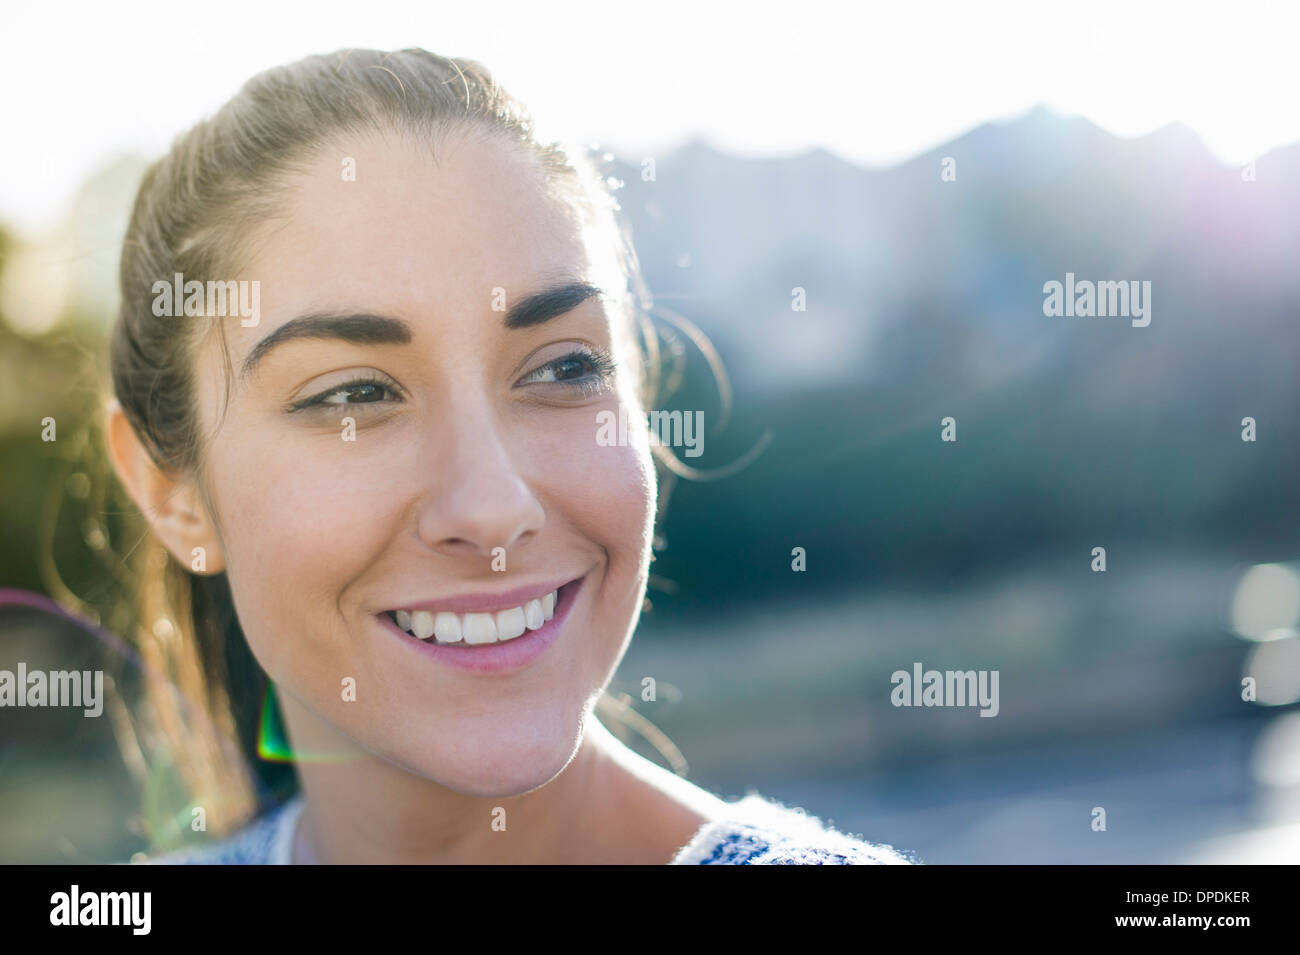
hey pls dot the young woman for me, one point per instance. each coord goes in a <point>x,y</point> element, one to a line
<point>370,322</point>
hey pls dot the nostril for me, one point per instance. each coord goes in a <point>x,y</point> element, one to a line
<point>459,544</point>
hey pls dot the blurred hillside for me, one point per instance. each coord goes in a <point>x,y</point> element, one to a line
<point>924,299</point>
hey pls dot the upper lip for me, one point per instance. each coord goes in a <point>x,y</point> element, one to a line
<point>483,602</point>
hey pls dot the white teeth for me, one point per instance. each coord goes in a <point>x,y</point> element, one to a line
<point>478,628</point>
<point>446,627</point>
<point>422,624</point>
<point>510,623</point>
<point>534,615</point>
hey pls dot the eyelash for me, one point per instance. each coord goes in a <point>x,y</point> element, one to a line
<point>592,384</point>
<point>603,368</point>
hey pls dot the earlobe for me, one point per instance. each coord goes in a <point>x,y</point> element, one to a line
<point>171,504</point>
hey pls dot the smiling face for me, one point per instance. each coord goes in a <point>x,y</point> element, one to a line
<point>446,307</point>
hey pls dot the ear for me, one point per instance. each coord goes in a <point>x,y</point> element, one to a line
<point>171,504</point>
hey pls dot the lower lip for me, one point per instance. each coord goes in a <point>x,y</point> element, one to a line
<point>504,657</point>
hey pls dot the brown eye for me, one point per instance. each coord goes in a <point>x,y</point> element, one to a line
<point>356,394</point>
<point>571,368</point>
<point>584,370</point>
<point>364,391</point>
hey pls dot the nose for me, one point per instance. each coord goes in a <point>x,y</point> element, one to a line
<point>476,500</point>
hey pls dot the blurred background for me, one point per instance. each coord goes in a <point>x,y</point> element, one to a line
<point>803,146</point>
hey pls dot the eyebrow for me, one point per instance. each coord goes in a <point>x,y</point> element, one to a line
<point>367,329</point>
<point>549,303</point>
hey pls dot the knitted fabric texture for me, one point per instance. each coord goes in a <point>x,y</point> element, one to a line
<point>754,831</point>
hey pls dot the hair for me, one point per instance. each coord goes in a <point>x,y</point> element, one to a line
<point>192,214</point>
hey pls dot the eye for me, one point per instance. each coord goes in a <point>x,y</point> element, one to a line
<point>584,371</point>
<point>359,391</point>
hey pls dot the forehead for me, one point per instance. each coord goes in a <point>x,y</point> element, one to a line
<point>394,224</point>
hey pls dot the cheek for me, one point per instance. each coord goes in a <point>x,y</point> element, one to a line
<point>299,521</point>
<point>605,491</point>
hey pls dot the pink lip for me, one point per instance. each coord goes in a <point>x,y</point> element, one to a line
<point>486,603</point>
<point>497,658</point>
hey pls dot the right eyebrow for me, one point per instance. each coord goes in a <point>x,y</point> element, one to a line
<point>361,329</point>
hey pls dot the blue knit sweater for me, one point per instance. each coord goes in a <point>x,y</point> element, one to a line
<point>754,831</point>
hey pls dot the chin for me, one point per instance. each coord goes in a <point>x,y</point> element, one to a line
<point>499,761</point>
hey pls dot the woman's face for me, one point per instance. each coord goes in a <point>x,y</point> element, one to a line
<point>471,481</point>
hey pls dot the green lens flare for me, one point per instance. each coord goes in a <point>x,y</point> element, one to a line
<point>273,742</point>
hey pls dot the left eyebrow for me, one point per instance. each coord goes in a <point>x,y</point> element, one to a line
<point>549,303</point>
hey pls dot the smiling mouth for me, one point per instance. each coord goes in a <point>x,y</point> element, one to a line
<point>480,629</point>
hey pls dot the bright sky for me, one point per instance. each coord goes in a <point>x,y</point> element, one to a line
<point>873,82</point>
